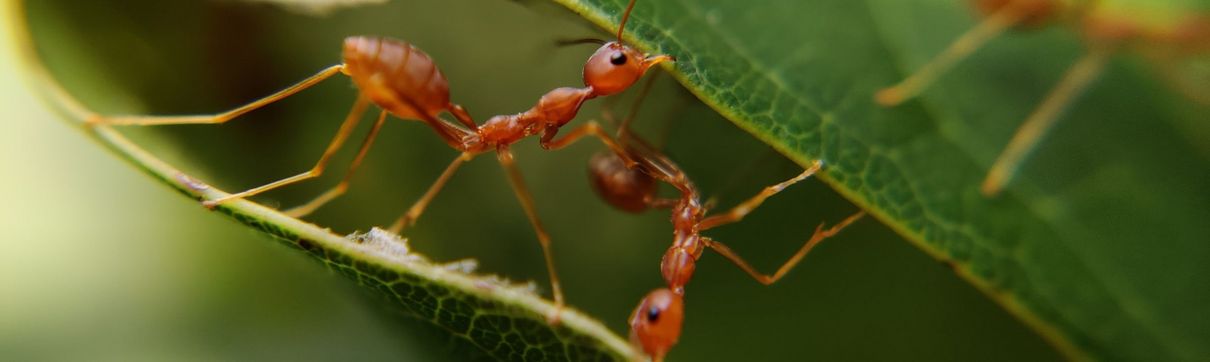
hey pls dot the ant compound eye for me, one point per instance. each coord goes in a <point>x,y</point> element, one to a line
<point>653,314</point>
<point>618,58</point>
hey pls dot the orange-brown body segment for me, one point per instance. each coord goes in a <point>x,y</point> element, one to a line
<point>626,189</point>
<point>405,81</point>
<point>656,322</point>
<point>615,67</point>
<point>1033,12</point>
<point>397,76</point>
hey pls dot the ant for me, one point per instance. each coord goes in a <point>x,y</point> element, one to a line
<point>404,82</point>
<point>631,186</point>
<point>1106,31</point>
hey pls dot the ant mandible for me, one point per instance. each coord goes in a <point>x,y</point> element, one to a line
<point>1106,31</point>
<point>404,81</point>
<point>631,186</point>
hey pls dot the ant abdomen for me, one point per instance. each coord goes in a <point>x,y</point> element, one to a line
<point>397,76</point>
<point>624,188</point>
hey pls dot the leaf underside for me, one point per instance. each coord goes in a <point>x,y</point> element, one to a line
<point>1099,242</point>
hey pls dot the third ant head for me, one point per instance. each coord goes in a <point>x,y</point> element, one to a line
<point>615,67</point>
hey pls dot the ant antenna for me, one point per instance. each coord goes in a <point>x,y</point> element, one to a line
<point>570,42</point>
<point>625,16</point>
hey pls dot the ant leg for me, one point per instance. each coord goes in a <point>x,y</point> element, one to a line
<point>594,129</point>
<point>346,128</point>
<point>343,186</point>
<point>993,26</point>
<point>1077,78</point>
<point>220,117</point>
<point>624,126</point>
<point>413,213</point>
<point>463,117</point>
<point>739,211</point>
<point>654,163</point>
<point>661,203</point>
<point>527,203</point>
<point>819,236</point>
<point>607,112</point>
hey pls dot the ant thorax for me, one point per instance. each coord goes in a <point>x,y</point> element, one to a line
<point>553,110</point>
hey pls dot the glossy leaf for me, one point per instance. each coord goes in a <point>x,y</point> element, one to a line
<point>1098,244</point>
<point>1101,241</point>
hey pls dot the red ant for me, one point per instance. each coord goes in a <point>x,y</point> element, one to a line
<point>403,81</point>
<point>655,325</point>
<point>1163,34</point>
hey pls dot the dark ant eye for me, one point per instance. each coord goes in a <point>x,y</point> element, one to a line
<point>653,314</point>
<point>618,58</point>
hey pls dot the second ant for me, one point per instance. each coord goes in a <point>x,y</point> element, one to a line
<point>631,186</point>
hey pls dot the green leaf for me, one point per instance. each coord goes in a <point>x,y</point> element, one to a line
<point>503,320</point>
<point>1100,244</point>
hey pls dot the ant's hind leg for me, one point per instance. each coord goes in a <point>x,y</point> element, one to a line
<point>343,186</point>
<point>220,117</point>
<point>819,236</point>
<point>739,211</point>
<point>346,128</point>
<point>413,213</point>
<point>527,203</point>
<point>1077,78</point>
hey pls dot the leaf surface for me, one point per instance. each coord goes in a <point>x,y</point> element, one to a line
<point>1099,242</point>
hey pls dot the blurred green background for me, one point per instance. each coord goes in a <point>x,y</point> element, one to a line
<point>99,262</point>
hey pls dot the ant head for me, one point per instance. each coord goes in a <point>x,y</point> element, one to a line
<point>615,67</point>
<point>656,324</point>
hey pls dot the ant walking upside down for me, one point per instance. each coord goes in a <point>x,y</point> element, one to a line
<point>630,185</point>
